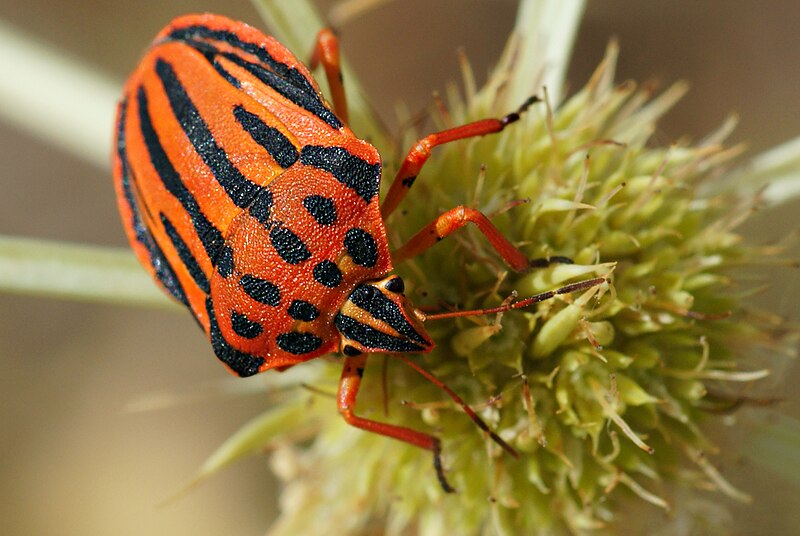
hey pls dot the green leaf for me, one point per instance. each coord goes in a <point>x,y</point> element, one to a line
<point>255,436</point>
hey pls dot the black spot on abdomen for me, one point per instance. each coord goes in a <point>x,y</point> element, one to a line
<point>261,290</point>
<point>326,273</point>
<point>361,247</point>
<point>303,310</point>
<point>244,327</point>
<point>288,245</point>
<point>351,170</point>
<point>298,343</point>
<point>322,209</point>
<point>240,362</point>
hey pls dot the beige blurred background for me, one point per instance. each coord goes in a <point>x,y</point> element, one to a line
<point>73,463</point>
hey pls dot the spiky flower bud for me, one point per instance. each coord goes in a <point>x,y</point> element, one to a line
<point>603,392</point>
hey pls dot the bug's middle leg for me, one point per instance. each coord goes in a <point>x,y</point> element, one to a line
<point>451,221</point>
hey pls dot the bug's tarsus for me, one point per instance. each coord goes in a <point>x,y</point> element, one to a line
<point>437,464</point>
<point>514,116</point>
<point>545,262</point>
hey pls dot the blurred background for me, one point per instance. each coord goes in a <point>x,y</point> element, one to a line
<point>72,462</point>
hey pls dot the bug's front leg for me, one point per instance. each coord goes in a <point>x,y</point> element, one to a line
<point>421,151</point>
<point>326,52</point>
<point>346,399</point>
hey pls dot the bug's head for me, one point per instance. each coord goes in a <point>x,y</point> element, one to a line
<point>377,317</point>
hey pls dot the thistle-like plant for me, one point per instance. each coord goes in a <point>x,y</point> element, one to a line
<point>605,393</point>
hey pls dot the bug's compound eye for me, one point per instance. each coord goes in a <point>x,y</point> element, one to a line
<point>351,351</point>
<point>395,285</point>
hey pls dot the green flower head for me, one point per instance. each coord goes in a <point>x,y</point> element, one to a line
<point>603,392</point>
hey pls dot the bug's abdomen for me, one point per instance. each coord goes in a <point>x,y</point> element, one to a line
<point>243,194</point>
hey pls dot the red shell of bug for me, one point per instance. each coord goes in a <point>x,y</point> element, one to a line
<point>244,194</point>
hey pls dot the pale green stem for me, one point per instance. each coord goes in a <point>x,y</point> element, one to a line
<point>546,30</point>
<point>778,169</point>
<point>92,273</point>
<point>775,445</point>
<point>56,97</point>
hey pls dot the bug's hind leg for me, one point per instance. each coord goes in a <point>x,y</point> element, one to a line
<point>326,52</point>
<point>346,400</point>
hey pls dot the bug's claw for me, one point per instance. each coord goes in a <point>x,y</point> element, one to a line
<point>545,262</point>
<point>437,464</point>
<point>514,116</point>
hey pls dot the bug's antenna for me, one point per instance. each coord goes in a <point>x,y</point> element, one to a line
<point>519,304</point>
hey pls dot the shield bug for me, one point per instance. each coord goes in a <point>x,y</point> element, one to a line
<point>251,202</point>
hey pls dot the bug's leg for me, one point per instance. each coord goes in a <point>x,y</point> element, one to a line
<point>421,151</point>
<point>346,399</point>
<point>451,221</point>
<point>326,52</point>
<point>545,262</point>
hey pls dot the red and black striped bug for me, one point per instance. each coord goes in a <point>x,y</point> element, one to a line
<point>253,203</point>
